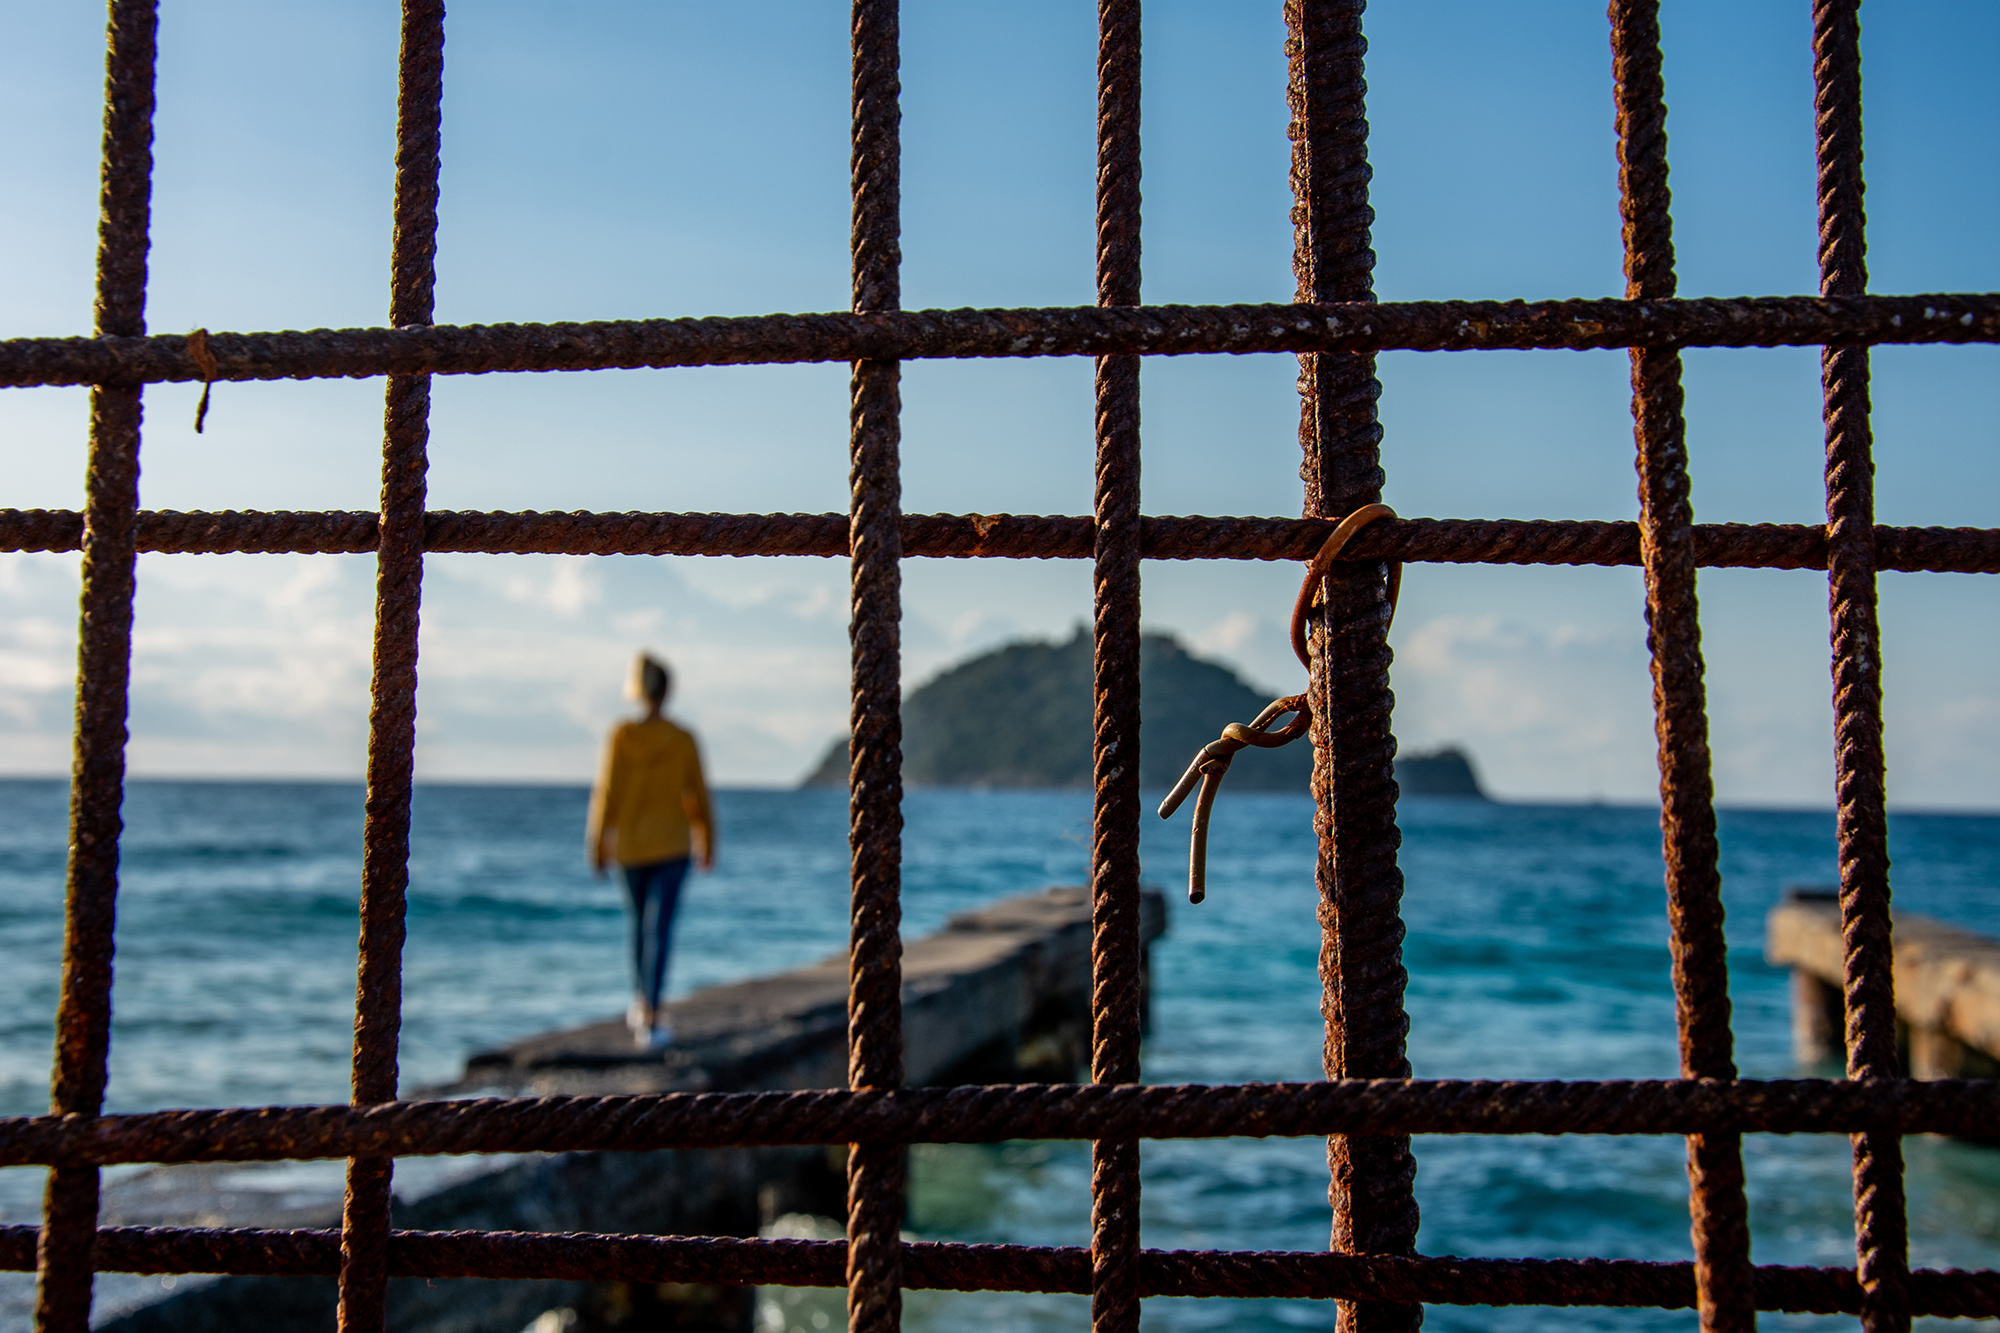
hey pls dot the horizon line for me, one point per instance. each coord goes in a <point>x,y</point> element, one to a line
<point>1522,802</point>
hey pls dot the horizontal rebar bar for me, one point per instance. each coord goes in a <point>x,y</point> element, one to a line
<point>956,1267</point>
<point>1768,321</point>
<point>991,1114</point>
<point>1014,536</point>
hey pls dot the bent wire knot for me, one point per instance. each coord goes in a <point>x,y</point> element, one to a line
<point>1214,759</point>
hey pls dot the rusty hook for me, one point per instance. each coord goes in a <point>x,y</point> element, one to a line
<point>1213,761</point>
<point>204,360</point>
<point>1322,564</point>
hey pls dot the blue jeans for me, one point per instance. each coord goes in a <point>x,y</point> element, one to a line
<point>655,890</point>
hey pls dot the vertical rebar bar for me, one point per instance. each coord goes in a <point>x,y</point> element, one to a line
<point>1114,877</point>
<point>875,771</point>
<point>392,718</point>
<point>64,1255</point>
<point>1354,751</point>
<point>1881,1228</point>
<point>1724,1279</point>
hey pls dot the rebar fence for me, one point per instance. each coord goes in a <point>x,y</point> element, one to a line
<point>1369,1106</point>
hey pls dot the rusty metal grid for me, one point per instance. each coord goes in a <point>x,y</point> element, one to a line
<point>1369,1106</point>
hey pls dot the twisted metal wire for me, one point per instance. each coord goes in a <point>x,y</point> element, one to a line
<point>104,660</point>
<point>1009,536</point>
<point>1354,785</point>
<point>392,714</point>
<point>1115,952</point>
<point>991,1114</point>
<point>1719,1209</point>
<point>1881,1227</point>
<point>1336,326</point>
<point>949,1266</point>
<point>875,794</point>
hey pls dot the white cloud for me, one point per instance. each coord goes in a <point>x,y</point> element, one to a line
<point>1546,710</point>
<point>38,599</point>
<point>1942,750</point>
<point>260,665</point>
<point>571,585</point>
<point>1226,637</point>
<point>32,674</point>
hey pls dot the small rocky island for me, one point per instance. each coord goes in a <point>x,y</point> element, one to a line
<point>1019,716</point>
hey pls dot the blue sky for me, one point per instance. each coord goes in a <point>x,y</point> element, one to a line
<point>619,160</point>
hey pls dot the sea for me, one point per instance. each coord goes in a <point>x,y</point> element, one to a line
<point>1537,950</point>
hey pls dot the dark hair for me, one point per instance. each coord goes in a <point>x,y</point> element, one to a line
<point>654,679</point>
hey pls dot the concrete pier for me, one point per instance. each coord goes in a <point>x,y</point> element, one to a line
<point>1947,988</point>
<point>998,995</point>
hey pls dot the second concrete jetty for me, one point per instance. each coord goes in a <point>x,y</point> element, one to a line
<point>1947,987</point>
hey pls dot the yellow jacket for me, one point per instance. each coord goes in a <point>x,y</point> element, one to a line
<point>649,796</point>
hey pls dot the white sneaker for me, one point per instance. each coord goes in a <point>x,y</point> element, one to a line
<point>635,1023</point>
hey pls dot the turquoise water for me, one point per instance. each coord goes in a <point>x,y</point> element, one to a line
<point>1537,949</point>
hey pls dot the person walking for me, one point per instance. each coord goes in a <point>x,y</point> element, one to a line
<point>649,813</point>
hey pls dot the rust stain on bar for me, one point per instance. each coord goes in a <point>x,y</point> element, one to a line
<point>1007,536</point>
<point>947,1266</point>
<point>994,1114</point>
<point>1362,978</point>
<point>1423,326</point>
<point>392,715</point>
<point>1726,1297</point>
<point>104,663</point>
<point>1116,989</point>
